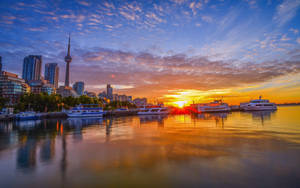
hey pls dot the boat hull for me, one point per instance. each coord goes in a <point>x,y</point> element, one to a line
<point>80,115</point>
<point>27,118</point>
<point>213,109</point>
<point>152,113</point>
<point>255,108</point>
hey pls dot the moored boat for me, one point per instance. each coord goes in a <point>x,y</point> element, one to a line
<point>86,110</point>
<point>216,106</point>
<point>258,105</point>
<point>153,110</point>
<point>29,115</point>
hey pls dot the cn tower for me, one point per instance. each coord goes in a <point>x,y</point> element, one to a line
<point>68,60</point>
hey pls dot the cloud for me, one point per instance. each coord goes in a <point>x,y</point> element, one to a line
<point>163,73</point>
<point>298,40</point>
<point>295,31</point>
<point>178,1</point>
<point>207,19</point>
<point>154,17</point>
<point>128,16</point>
<point>286,11</point>
<point>284,38</point>
<point>252,3</point>
<point>194,6</point>
<point>84,3</point>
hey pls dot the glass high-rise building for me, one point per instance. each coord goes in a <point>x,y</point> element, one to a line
<point>32,67</point>
<point>51,73</point>
<point>79,87</point>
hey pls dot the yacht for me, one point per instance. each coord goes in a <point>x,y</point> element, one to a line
<point>153,110</point>
<point>215,106</point>
<point>258,104</point>
<point>29,115</point>
<point>86,110</point>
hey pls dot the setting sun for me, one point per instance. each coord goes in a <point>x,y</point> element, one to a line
<point>180,104</point>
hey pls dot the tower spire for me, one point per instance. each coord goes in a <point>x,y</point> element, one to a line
<point>69,45</point>
<point>68,60</point>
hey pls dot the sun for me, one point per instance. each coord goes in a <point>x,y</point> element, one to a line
<point>180,104</point>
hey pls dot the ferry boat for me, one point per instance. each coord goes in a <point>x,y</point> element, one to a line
<point>258,104</point>
<point>216,106</point>
<point>153,110</point>
<point>29,115</point>
<point>86,110</point>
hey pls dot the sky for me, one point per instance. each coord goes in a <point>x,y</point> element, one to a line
<point>174,51</point>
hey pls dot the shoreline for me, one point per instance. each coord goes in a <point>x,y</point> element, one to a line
<point>45,115</point>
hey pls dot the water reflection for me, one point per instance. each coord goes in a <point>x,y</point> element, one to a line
<point>26,155</point>
<point>144,119</point>
<point>219,118</point>
<point>262,116</point>
<point>180,150</point>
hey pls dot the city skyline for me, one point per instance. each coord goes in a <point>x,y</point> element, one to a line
<point>174,51</point>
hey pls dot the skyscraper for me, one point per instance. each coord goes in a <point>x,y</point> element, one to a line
<point>79,87</point>
<point>68,60</point>
<point>51,73</point>
<point>32,67</point>
<point>109,92</point>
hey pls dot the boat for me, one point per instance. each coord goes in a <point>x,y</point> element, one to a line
<point>215,106</point>
<point>122,110</point>
<point>29,115</point>
<point>258,105</point>
<point>153,110</point>
<point>86,110</point>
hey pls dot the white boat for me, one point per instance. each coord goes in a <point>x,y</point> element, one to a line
<point>29,115</point>
<point>216,106</point>
<point>86,110</point>
<point>153,110</point>
<point>258,104</point>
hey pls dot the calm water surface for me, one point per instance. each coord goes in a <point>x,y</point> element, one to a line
<point>237,149</point>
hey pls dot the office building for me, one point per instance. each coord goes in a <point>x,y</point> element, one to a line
<point>140,101</point>
<point>91,94</point>
<point>102,95</point>
<point>41,86</point>
<point>66,92</point>
<point>79,88</point>
<point>109,92</point>
<point>12,87</point>
<point>52,73</point>
<point>32,67</point>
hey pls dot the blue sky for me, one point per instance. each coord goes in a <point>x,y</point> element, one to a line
<point>145,44</point>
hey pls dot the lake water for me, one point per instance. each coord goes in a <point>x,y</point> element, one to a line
<point>238,149</point>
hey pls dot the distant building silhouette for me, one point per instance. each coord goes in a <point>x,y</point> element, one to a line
<point>41,86</point>
<point>51,73</point>
<point>32,67</point>
<point>79,87</point>
<point>109,92</point>
<point>90,94</point>
<point>140,101</point>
